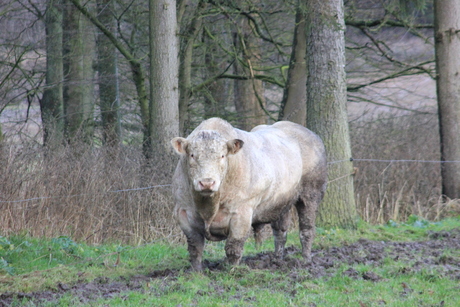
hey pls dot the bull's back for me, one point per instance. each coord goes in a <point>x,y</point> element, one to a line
<point>311,147</point>
<point>289,154</point>
<point>275,163</point>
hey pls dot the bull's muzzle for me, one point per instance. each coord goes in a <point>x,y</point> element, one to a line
<point>207,185</point>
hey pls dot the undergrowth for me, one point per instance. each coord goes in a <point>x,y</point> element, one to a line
<point>99,196</point>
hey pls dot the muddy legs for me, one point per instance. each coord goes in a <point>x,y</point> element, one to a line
<point>306,209</point>
<point>195,249</point>
<point>258,228</point>
<point>280,228</point>
<point>234,250</point>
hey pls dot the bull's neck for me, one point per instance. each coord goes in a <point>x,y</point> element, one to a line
<point>207,206</point>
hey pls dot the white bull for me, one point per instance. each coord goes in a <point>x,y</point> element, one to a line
<point>228,180</point>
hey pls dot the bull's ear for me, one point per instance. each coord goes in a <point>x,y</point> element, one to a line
<point>234,146</point>
<point>179,144</point>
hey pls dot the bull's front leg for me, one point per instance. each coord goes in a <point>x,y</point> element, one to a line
<point>195,238</point>
<point>195,242</point>
<point>240,225</point>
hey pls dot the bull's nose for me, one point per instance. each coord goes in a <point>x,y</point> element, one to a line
<point>206,184</point>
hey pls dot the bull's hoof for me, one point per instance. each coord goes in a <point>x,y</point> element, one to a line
<point>306,257</point>
<point>233,260</point>
<point>197,267</point>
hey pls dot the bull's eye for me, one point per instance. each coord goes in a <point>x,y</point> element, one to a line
<point>223,156</point>
<point>191,155</point>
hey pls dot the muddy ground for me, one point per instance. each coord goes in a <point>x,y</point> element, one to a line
<point>325,262</point>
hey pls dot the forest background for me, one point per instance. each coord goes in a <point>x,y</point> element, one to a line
<point>79,120</point>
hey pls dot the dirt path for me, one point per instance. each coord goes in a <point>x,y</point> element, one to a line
<point>325,262</point>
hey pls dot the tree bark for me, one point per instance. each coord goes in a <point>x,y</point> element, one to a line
<point>108,79</point>
<point>216,93</point>
<point>185,66</point>
<point>138,76</point>
<point>164,93</point>
<point>326,106</point>
<point>294,103</point>
<point>249,94</point>
<point>78,72</point>
<point>51,104</point>
<point>447,46</point>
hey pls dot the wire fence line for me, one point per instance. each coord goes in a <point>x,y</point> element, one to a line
<point>168,185</point>
<point>85,194</point>
<point>403,161</point>
<point>390,161</point>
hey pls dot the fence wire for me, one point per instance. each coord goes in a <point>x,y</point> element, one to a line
<point>167,185</point>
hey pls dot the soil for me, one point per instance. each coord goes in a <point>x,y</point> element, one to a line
<point>325,262</point>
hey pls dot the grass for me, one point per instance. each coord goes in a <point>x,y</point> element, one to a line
<point>31,264</point>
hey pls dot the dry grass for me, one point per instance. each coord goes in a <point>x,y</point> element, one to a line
<point>68,193</point>
<point>394,190</point>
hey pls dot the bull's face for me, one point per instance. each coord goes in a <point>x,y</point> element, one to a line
<point>206,156</point>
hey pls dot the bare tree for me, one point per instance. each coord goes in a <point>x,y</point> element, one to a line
<point>78,56</point>
<point>216,93</point>
<point>51,104</point>
<point>108,78</point>
<point>249,92</point>
<point>164,92</point>
<point>188,38</point>
<point>447,42</point>
<point>326,105</point>
<point>294,104</point>
<point>137,70</point>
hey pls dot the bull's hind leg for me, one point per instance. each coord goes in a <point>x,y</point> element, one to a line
<point>280,228</point>
<point>307,206</point>
<point>258,229</point>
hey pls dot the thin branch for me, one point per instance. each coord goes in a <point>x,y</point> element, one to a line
<point>13,67</point>
<point>106,32</point>
<point>264,78</point>
<point>378,44</point>
<point>362,99</point>
<point>384,22</point>
<point>405,72</point>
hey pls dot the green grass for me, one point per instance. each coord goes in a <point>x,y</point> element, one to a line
<point>32,264</point>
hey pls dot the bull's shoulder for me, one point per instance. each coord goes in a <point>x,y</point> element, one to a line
<point>216,124</point>
<point>259,127</point>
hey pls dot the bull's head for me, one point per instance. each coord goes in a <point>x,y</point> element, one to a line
<point>206,156</point>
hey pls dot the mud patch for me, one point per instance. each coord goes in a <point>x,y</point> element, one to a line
<point>416,256</point>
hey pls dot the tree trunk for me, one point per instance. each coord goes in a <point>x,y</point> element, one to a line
<point>216,92</point>
<point>79,74</point>
<point>447,45</point>
<point>164,94</point>
<point>51,104</point>
<point>185,68</point>
<point>138,76</point>
<point>326,106</point>
<point>108,79</point>
<point>294,103</point>
<point>249,94</point>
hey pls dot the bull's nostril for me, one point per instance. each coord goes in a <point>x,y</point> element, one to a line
<point>206,184</point>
